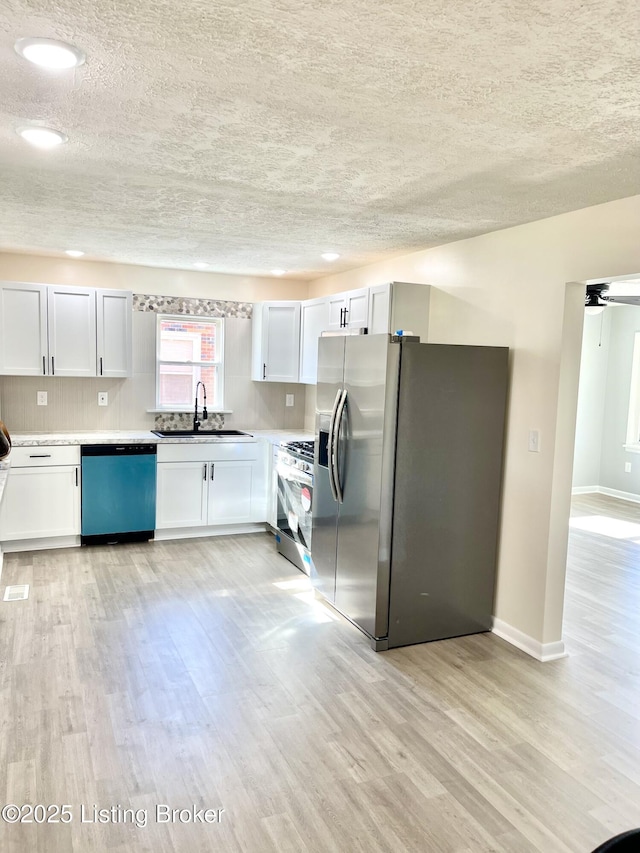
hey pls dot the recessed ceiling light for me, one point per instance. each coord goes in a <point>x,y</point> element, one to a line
<point>201,265</point>
<point>330,256</point>
<point>73,253</point>
<point>278,272</point>
<point>42,137</point>
<point>49,53</point>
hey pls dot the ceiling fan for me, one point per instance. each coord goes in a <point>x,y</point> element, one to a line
<point>598,297</point>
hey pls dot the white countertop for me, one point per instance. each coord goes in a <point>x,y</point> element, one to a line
<point>277,436</point>
<point>37,439</point>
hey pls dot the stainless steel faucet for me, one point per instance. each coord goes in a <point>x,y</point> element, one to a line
<point>196,422</point>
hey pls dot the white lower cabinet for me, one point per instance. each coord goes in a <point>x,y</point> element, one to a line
<point>230,490</point>
<point>181,494</point>
<point>41,498</point>
<point>204,485</point>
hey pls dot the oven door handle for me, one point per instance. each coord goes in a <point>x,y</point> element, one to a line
<point>335,459</point>
<point>295,476</point>
<point>330,444</point>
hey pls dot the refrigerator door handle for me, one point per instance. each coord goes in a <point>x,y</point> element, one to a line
<point>336,441</point>
<point>330,442</point>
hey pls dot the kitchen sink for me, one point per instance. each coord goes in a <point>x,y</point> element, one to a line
<point>186,433</point>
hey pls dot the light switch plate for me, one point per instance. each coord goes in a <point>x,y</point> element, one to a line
<point>103,398</point>
<point>288,400</point>
<point>534,441</point>
<point>627,467</point>
<point>41,398</point>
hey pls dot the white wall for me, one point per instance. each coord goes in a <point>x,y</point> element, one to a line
<point>594,364</point>
<point>164,282</point>
<point>510,288</point>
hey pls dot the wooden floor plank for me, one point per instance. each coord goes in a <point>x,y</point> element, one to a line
<point>205,673</point>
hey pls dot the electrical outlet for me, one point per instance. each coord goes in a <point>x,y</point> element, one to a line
<point>534,441</point>
<point>103,398</point>
<point>627,467</point>
<point>288,400</point>
<point>41,398</point>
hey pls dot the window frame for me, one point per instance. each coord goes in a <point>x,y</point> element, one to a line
<point>214,404</point>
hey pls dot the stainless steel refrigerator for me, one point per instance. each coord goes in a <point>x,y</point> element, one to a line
<point>407,474</point>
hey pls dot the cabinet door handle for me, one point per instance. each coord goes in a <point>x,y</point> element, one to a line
<point>53,366</point>
<point>76,476</point>
<point>204,471</point>
<point>44,366</point>
<point>264,371</point>
<point>212,469</point>
<point>341,317</point>
<point>39,456</point>
<point>100,365</point>
<point>346,311</point>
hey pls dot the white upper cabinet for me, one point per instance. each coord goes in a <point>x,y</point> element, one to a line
<point>24,348</point>
<point>50,330</point>
<point>348,310</point>
<point>113,318</point>
<point>72,331</point>
<point>314,320</point>
<point>399,305</point>
<point>276,341</point>
<point>382,309</point>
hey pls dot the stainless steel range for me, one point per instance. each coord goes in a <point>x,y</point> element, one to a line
<point>295,502</point>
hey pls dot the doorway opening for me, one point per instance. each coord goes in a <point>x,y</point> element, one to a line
<point>602,587</point>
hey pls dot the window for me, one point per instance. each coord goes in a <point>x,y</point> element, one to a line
<point>189,350</point>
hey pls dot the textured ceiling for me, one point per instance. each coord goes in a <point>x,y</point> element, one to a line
<point>259,134</point>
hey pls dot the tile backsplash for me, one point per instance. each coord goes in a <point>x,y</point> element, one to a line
<point>73,402</point>
<point>184,420</point>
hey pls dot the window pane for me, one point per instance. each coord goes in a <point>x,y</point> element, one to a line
<point>178,385</point>
<point>187,340</point>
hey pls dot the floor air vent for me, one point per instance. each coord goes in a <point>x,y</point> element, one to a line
<point>18,592</point>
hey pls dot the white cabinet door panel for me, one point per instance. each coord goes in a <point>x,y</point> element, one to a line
<point>230,492</point>
<point>276,342</point>
<point>114,320</point>
<point>41,502</point>
<point>314,319</point>
<point>282,327</point>
<point>72,331</point>
<point>379,318</point>
<point>336,304</point>
<point>23,329</point>
<point>357,308</point>
<point>181,494</point>
<point>348,310</point>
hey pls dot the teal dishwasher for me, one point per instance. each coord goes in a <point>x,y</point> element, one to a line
<point>118,493</point>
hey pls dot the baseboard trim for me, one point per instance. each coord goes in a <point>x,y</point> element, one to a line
<point>633,497</point>
<point>543,652</point>
<point>13,546</point>
<point>206,532</point>
<point>623,496</point>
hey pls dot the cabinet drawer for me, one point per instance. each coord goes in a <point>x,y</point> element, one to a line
<point>216,451</point>
<point>31,457</point>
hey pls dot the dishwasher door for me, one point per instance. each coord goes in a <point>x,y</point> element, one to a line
<point>118,493</point>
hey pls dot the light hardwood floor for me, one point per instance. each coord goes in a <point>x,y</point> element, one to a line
<point>204,673</point>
